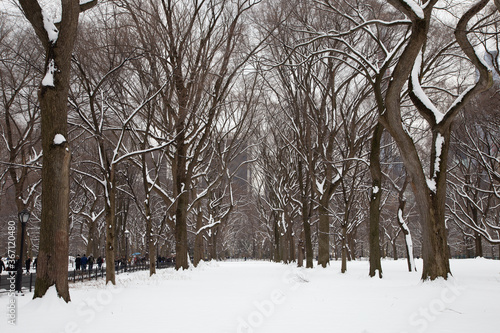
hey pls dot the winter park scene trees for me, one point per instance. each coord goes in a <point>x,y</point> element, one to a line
<point>254,165</point>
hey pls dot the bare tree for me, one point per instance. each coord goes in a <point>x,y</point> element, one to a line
<point>20,121</point>
<point>57,39</point>
<point>473,199</point>
<point>201,46</point>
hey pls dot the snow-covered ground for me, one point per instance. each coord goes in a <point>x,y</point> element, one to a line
<point>267,297</point>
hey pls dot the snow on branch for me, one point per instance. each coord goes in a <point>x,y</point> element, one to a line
<point>482,231</point>
<point>418,95</point>
<point>87,4</point>
<point>415,7</point>
<point>208,226</point>
<point>50,28</point>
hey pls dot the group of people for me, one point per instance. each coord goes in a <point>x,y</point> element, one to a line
<point>85,262</point>
<point>17,264</point>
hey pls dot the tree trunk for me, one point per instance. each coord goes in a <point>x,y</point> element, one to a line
<point>324,235</point>
<point>213,249</point>
<point>309,247</point>
<point>198,242</point>
<point>301,251</point>
<point>52,262</point>
<point>375,197</point>
<point>477,236</point>
<point>150,239</point>
<point>181,183</point>
<point>181,244</point>
<point>277,239</point>
<point>479,245</point>
<point>291,254</point>
<point>110,208</point>
<point>405,229</point>
<point>93,241</point>
<point>344,248</point>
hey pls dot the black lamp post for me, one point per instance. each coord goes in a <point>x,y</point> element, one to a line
<point>127,235</point>
<point>24,216</point>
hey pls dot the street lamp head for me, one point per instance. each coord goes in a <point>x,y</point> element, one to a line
<point>24,216</point>
<point>127,233</point>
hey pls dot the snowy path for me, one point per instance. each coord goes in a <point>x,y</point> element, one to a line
<point>267,297</point>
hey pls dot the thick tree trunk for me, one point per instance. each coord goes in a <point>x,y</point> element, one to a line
<point>376,194</point>
<point>52,262</point>
<point>431,204</point>
<point>404,229</point>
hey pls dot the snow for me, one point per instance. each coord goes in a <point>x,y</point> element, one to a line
<point>431,184</point>
<point>490,59</point>
<point>419,92</point>
<point>439,148</point>
<point>59,139</point>
<point>415,8</point>
<point>408,239</point>
<point>321,186</point>
<point>208,226</point>
<point>51,29</point>
<point>375,189</point>
<point>256,297</point>
<point>48,80</point>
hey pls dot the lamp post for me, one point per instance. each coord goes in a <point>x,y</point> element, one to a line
<point>24,216</point>
<point>127,235</point>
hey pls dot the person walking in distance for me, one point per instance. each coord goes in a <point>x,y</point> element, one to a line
<point>78,262</point>
<point>84,262</point>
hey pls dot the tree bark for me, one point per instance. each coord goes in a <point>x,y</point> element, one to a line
<point>479,245</point>
<point>375,197</point>
<point>110,211</point>
<point>198,242</point>
<point>344,248</point>
<point>277,238</point>
<point>430,198</point>
<point>324,235</point>
<point>52,262</point>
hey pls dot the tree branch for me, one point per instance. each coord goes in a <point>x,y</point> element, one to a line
<point>87,5</point>
<point>33,12</point>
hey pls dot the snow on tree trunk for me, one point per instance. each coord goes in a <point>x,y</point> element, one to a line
<point>408,241</point>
